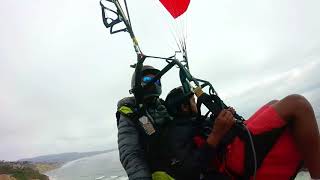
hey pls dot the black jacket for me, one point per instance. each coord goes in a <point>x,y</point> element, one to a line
<point>141,154</point>
<point>188,161</point>
<point>131,152</point>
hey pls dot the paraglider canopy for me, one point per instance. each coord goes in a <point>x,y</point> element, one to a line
<point>176,7</point>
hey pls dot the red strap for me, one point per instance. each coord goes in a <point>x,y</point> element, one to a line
<point>199,141</point>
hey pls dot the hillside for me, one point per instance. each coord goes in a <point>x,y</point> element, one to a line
<point>63,157</point>
<point>32,168</point>
<point>20,171</point>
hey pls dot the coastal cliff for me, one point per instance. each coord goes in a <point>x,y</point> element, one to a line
<point>20,171</point>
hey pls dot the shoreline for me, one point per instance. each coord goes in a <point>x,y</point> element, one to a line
<point>66,164</point>
<point>44,167</point>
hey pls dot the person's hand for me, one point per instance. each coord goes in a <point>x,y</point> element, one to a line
<point>231,109</point>
<point>221,126</point>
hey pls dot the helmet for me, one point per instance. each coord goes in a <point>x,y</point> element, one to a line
<point>154,90</point>
<point>175,98</point>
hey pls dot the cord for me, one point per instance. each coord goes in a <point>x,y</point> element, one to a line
<point>254,152</point>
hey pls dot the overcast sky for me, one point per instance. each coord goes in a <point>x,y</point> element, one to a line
<point>62,73</point>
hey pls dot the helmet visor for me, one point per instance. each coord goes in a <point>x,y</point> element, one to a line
<point>146,79</point>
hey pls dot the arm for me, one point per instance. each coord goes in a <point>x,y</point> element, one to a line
<point>221,126</point>
<point>196,160</point>
<point>130,151</point>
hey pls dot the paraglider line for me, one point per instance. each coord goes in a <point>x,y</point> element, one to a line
<point>125,3</point>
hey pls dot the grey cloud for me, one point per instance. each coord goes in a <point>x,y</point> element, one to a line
<point>301,80</point>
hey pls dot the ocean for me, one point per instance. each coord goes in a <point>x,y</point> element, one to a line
<point>99,167</point>
<point>103,167</point>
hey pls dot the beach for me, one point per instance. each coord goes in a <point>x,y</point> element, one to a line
<point>103,167</point>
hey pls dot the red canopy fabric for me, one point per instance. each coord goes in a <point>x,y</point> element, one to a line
<point>176,7</point>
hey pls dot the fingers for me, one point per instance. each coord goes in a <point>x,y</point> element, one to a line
<point>225,114</point>
<point>225,118</point>
<point>229,115</point>
<point>232,110</point>
<point>222,124</point>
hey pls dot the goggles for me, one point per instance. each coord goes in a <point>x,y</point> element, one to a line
<point>147,79</point>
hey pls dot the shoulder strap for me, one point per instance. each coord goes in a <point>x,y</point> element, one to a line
<point>128,111</point>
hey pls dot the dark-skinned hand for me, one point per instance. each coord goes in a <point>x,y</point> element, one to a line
<point>221,126</point>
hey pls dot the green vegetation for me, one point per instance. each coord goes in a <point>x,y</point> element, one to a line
<point>21,170</point>
<point>45,167</point>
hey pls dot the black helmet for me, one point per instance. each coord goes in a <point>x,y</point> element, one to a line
<point>152,91</point>
<point>175,98</point>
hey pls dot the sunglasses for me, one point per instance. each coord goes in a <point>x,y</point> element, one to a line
<point>147,79</point>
